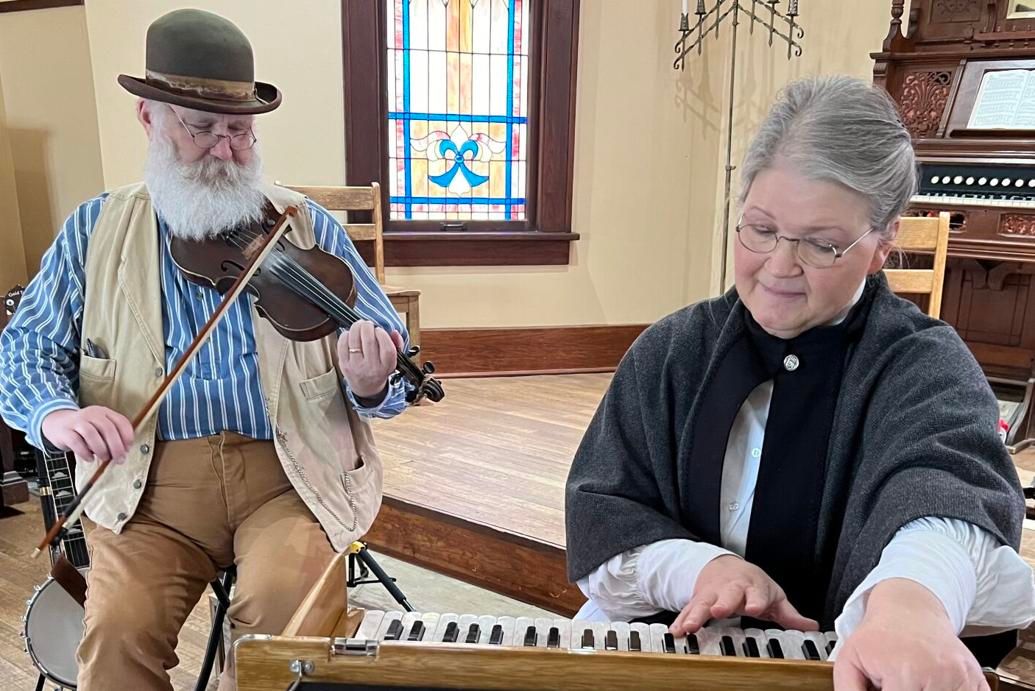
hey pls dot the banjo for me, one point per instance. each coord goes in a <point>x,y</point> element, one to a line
<point>53,623</point>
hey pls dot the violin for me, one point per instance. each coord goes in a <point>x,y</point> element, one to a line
<point>305,294</point>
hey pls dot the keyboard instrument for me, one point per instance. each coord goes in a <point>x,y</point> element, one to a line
<point>566,634</point>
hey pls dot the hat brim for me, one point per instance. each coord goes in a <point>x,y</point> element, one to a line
<point>267,97</point>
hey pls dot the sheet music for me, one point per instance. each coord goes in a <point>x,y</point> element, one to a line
<point>1006,100</point>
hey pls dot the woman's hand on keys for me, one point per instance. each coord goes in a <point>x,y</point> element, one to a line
<point>728,586</point>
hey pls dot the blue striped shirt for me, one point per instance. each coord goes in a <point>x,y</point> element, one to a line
<point>220,389</point>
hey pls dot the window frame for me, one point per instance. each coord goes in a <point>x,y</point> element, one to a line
<point>545,237</point>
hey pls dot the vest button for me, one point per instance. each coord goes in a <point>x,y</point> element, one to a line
<point>158,372</point>
<point>121,517</point>
<point>791,362</point>
<point>144,449</point>
<point>137,484</point>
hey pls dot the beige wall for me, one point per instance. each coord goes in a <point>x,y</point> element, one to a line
<point>51,121</point>
<point>649,145</point>
<point>12,249</point>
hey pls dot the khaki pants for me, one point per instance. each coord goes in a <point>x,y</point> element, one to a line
<point>209,503</point>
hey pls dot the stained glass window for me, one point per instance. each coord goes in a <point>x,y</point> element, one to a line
<point>457,109</point>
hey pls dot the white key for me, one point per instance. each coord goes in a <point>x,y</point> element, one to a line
<point>371,623</point>
<point>622,629</point>
<point>521,625</point>
<point>708,639</point>
<point>542,631</point>
<point>443,622</point>
<point>408,620</point>
<point>600,629</point>
<point>465,622</point>
<point>792,642</point>
<point>564,628</point>
<point>386,621</point>
<point>657,638</point>
<point>778,635</point>
<point>644,631</point>
<point>508,630</point>
<point>430,621</point>
<point>758,636</point>
<point>485,622</point>
<point>820,639</point>
<point>831,638</point>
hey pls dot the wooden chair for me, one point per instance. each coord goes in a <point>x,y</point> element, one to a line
<point>927,235</point>
<point>363,198</point>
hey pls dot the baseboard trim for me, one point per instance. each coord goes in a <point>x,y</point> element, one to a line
<point>498,352</point>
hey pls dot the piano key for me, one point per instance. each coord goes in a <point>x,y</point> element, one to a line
<point>774,647</point>
<point>642,632</point>
<point>416,632</point>
<point>792,645</point>
<point>464,622</point>
<point>670,643</point>
<point>451,633</point>
<point>386,622</point>
<point>446,622</point>
<point>727,646</point>
<point>635,644</point>
<point>395,630</point>
<point>368,627</point>
<point>760,640</point>
<point>657,639</point>
<point>751,647</point>
<point>473,633</point>
<point>507,624</point>
<point>553,638</point>
<point>521,625</point>
<point>819,640</point>
<point>693,644</point>
<point>831,642</point>
<point>708,639</point>
<point>611,640</point>
<point>408,620</point>
<point>485,624</point>
<point>622,631</point>
<point>530,637</point>
<point>810,650</point>
<point>587,640</point>
<point>565,628</point>
<point>496,637</point>
<point>542,628</point>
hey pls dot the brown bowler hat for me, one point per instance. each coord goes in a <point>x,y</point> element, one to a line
<point>200,60</point>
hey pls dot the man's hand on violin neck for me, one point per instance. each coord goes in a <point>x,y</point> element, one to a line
<point>367,356</point>
<point>93,433</point>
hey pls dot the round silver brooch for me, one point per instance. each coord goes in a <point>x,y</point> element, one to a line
<point>791,362</point>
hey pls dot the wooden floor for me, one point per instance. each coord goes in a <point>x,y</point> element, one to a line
<point>495,452</point>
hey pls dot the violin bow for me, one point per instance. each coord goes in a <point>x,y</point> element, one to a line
<point>75,509</point>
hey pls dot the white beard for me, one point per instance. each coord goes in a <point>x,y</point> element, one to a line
<point>202,199</point>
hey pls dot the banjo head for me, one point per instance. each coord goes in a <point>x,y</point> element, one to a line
<point>53,627</point>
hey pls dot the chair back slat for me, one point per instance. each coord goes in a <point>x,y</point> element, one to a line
<point>928,235</point>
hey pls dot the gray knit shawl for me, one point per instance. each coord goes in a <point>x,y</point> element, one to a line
<point>914,434</point>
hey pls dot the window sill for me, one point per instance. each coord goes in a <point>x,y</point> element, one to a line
<point>473,248</point>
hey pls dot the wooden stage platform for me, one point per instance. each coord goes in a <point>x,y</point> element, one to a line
<point>474,485</point>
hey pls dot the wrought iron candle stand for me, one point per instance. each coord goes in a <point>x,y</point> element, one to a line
<point>774,22</point>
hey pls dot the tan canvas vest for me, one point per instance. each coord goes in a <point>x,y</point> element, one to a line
<point>326,449</point>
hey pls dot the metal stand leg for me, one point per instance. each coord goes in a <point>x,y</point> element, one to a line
<point>222,591</point>
<point>359,550</point>
<point>40,683</point>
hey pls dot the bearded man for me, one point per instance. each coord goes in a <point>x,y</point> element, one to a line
<point>260,457</point>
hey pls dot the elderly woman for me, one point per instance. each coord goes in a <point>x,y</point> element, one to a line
<point>809,449</point>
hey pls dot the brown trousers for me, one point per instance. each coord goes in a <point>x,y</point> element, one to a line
<point>209,503</point>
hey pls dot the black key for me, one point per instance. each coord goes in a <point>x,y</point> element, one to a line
<point>474,633</point>
<point>417,632</point>
<point>530,637</point>
<point>692,646</point>
<point>496,637</point>
<point>751,647</point>
<point>587,639</point>
<point>670,643</point>
<point>611,641</point>
<point>452,633</point>
<point>634,641</point>
<point>553,639</point>
<point>727,647</point>
<point>830,647</point>
<point>774,648</point>
<point>810,650</point>
<point>395,630</point>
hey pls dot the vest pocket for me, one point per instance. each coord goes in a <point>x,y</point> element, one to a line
<point>96,381</point>
<point>321,386</point>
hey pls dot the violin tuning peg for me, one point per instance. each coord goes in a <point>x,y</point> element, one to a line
<point>413,351</point>
<point>428,368</point>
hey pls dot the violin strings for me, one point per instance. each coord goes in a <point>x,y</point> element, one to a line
<point>285,267</point>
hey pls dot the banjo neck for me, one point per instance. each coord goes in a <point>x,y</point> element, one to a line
<point>57,491</point>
